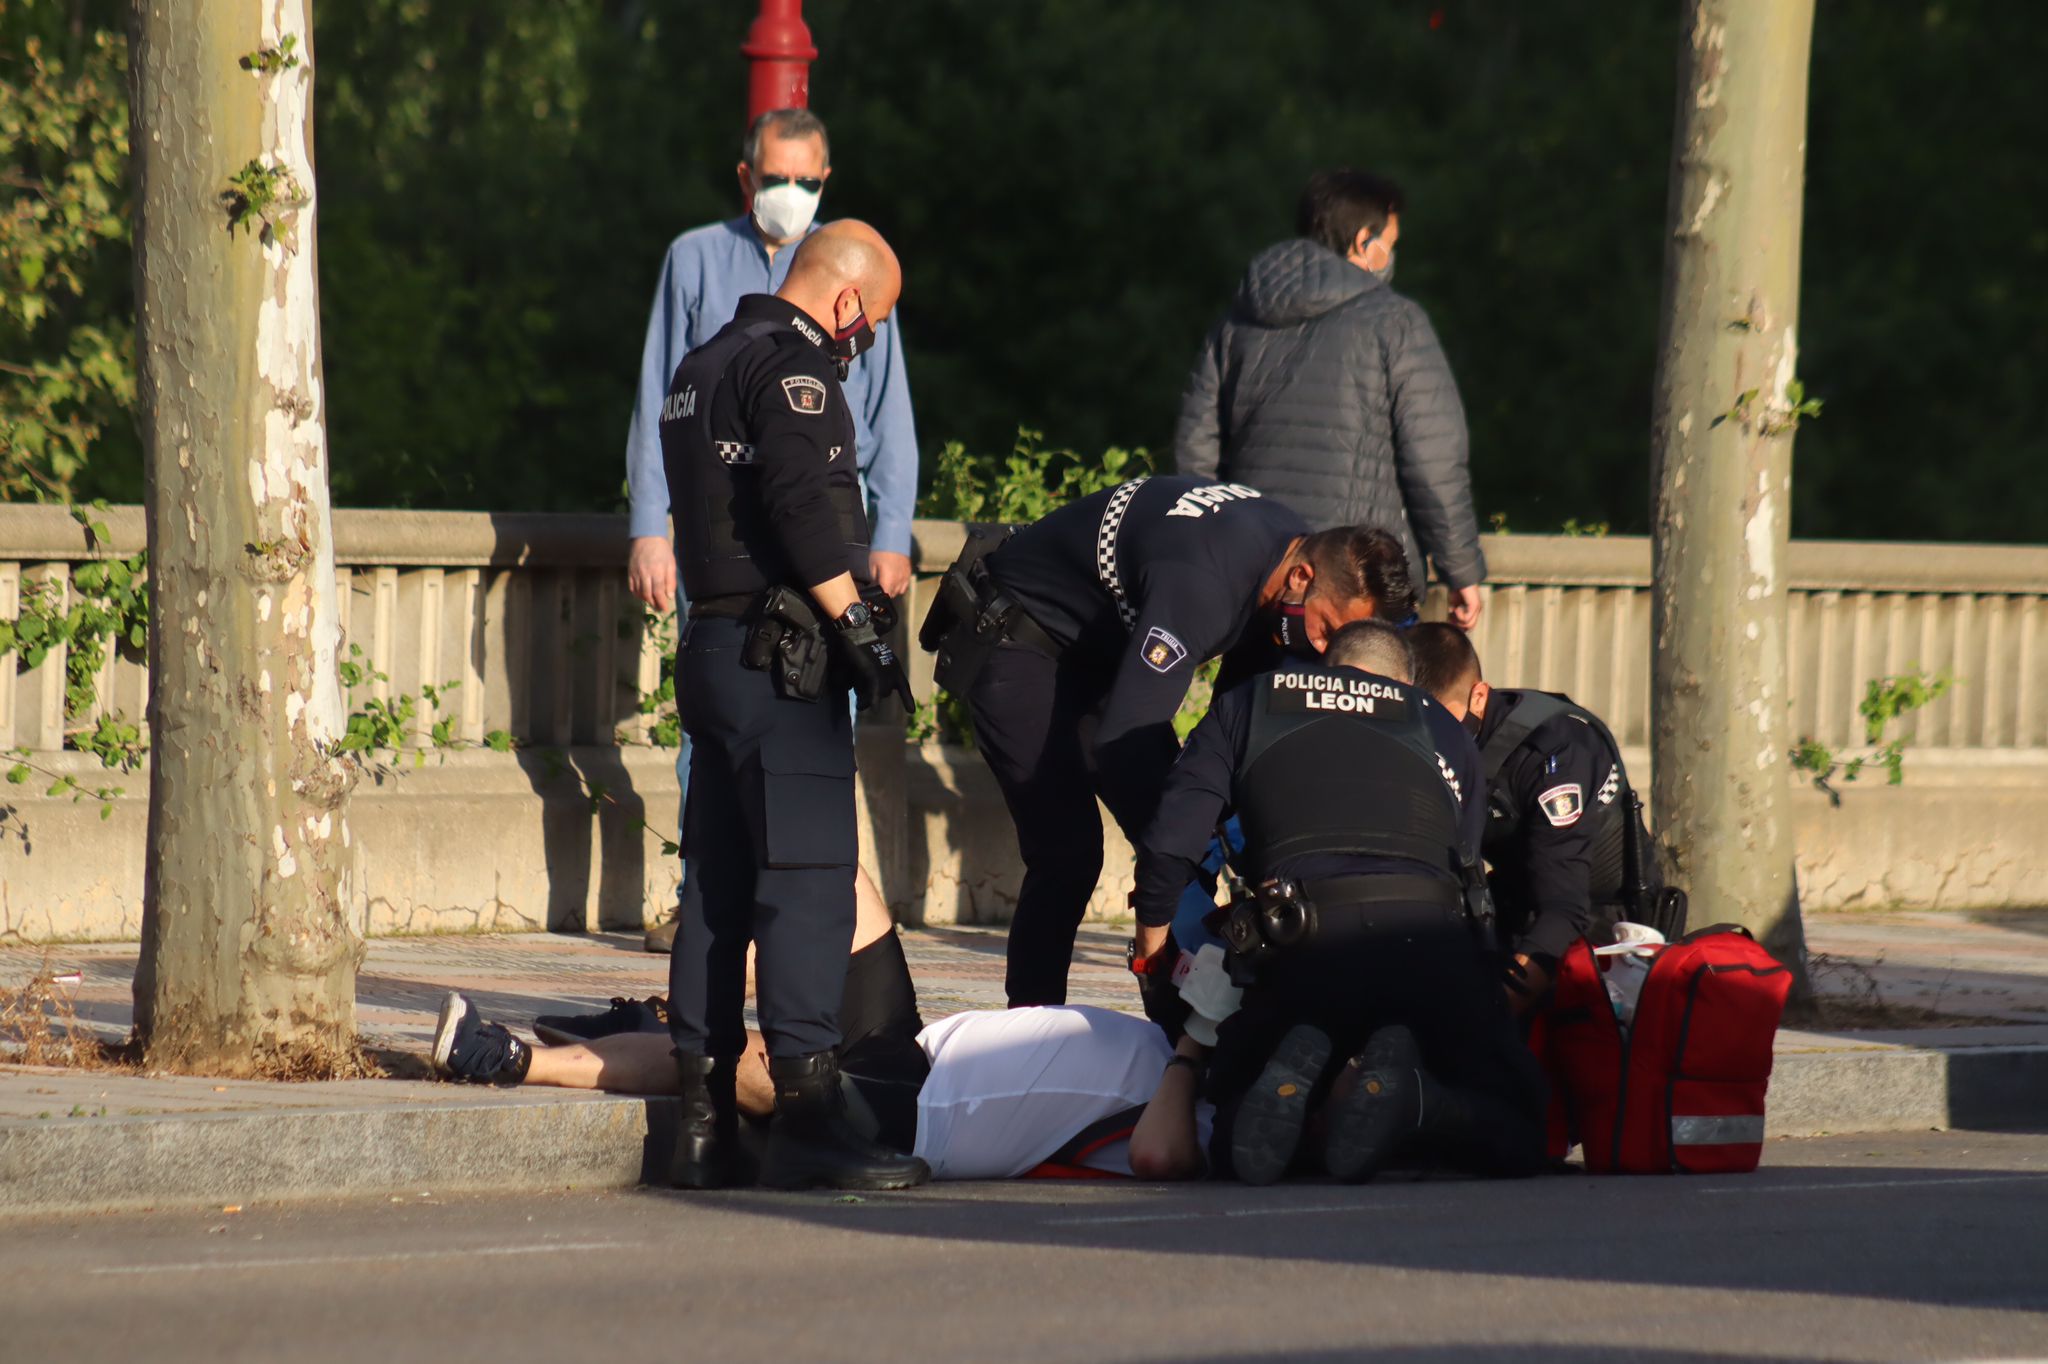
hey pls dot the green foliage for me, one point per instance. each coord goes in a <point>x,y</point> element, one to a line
<point>269,61</point>
<point>27,766</point>
<point>108,608</point>
<point>271,195</point>
<point>67,368</point>
<point>1797,408</point>
<point>1885,699</point>
<point>490,232</point>
<point>665,728</point>
<point>1023,485</point>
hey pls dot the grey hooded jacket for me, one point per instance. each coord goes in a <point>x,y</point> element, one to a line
<point>1327,390</point>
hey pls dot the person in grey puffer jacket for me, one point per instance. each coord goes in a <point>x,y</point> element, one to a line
<point>1324,388</point>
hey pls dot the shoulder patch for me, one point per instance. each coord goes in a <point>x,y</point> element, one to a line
<point>1161,651</point>
<point>805,394</point>
<point>1562,805</point>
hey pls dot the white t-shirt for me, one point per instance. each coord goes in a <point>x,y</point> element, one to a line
<point>1008,1088</point>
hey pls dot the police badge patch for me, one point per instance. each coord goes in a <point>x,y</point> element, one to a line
<point>805,394</point>
<point>1162,652</point>
<point>1562,805</point>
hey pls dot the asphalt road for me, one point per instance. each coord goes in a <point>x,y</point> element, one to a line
<point>1921,1247</point>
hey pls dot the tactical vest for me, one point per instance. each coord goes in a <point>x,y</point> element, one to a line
<point>725,544</point>
<point>1608,811</point>
<point>1341,762</point>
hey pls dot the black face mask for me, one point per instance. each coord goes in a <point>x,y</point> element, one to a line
<point>1290,631</point>
<point>850,342</point>
<point>1472,724</point>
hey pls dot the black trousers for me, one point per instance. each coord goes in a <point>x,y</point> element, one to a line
<point>1034,721</point>
<point>1399,964</point>
<point>768,833</point>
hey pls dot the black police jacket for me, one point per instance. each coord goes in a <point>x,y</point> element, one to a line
<point>758,444</point>
<point>1147,581</point>
<point>1332,772</point>
<point>1557,820</point>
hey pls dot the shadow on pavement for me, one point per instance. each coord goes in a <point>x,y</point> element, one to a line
<point>1941,1236</point>
<point>1483,1350</point>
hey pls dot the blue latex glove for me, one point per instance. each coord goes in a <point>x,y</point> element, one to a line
<point>1196,903</point>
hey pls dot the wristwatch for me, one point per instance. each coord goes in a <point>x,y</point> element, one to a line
<point>1139,966</point>
<point>855,616</point>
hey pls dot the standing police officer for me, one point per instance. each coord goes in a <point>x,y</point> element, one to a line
<point>759,448</point>
<point>1075,640</point>
<point>1564,831</point>
<point>1361,803</point>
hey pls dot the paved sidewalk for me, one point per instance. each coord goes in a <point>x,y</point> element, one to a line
<point>1983,967</point>
<point>72,1139</point>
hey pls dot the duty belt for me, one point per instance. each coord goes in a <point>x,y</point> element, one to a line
<point>1018,626</point>
<point>1344,903</point>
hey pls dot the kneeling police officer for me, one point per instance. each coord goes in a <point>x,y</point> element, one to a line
<point>1564,831</point>
<point>759,448</point>
<point>1361,804</point>
<point>1074,641</point>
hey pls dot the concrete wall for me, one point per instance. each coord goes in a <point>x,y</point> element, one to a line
<point>480,842</point>
<point>1965,831</point>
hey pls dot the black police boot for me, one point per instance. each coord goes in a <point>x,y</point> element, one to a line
<point>1376,1106</point>
<point>708,1152</point>
<point>1477,1131</point>
<point>812,1145</point>
<point>1265,1132</point>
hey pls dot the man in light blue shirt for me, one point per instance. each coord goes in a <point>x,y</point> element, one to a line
<point>786,160</point>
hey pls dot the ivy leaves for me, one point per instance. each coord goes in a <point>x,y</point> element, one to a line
<point>1885,699</point>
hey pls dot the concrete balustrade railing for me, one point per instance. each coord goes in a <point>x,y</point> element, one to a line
<point>528,613</point>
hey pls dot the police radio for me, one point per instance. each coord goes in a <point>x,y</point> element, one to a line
<point>1275,917</point>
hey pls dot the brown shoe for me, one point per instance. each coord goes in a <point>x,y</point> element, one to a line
<point>662,936</point>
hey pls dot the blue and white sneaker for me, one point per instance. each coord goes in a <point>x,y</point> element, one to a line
<point>474,1052</point>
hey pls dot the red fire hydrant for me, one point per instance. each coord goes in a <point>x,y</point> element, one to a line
<point>779,52</point>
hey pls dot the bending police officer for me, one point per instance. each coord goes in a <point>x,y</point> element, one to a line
<point>759,447</point>
<point>1361,803</point>
<point>1074,641</point>
<point>1564,829</point>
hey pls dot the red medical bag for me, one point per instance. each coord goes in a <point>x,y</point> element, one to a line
<point>1681,1089</point>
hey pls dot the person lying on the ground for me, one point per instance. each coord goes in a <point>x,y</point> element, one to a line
<point>979,1095</point>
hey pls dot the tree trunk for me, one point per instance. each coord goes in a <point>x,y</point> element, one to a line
<point>1722,431</point>
<point>249,938</point>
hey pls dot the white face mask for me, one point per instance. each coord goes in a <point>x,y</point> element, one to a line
<point>784,212</point>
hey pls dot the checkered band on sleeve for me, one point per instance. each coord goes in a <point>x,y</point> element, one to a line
<point>1105,549</point>
<point>734,452</point>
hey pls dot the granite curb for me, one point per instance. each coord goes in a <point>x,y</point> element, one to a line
<point>424,1141</point>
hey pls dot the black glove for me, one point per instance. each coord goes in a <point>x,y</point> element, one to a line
<point>877,671</point>
<point>1156,990</point>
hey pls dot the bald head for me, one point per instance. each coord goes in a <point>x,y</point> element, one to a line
<point>843,269</point>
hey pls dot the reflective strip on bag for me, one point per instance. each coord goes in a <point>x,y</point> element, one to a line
<point>1735,1130</point>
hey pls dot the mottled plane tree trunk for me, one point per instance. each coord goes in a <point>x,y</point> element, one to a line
<point>1725,407</point>
<point>249,944</point>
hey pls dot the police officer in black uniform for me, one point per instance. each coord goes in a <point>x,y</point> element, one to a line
<point>1362,803</point>
<point>1074,641</point>
<point>1564,831</point>
<point>758,444</point>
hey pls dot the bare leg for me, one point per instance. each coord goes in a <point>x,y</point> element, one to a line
<point>643,1063</point>
<point>871,916</point>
